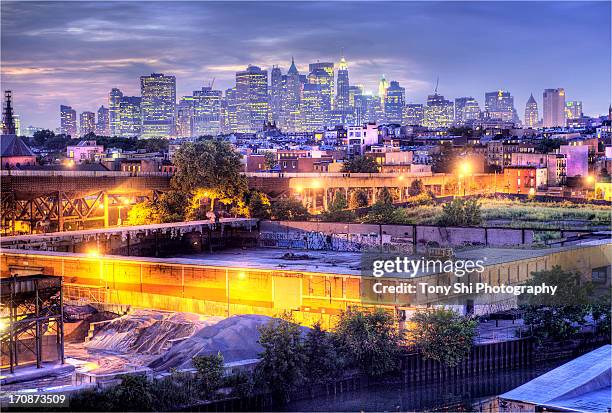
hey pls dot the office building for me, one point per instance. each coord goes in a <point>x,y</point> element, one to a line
<point>87,123</point>
<point>206,111</point>
<point>573,109</point>
<point>322,74</point>
<point>290,119</point>
<point>313,108</point>
<point>554,108</point>
<point>499,105</point>
<point>532,119</point>
<point>103,122</point>
<point>158,105</point>
<point>439,112</point>
<point>276,93</point>
<point>68,121</point>
<point>251,99</point>
<point>342,91</point>
<point>466,110</point>
<point>184,117</point>
<point>130,117</point>
<point>395,98</point>
<point>413,114</point>
<point>114,99</point>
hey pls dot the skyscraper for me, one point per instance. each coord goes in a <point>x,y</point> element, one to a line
<point>573,109</point>
<point>383,84</point>
<point>413,114</point>
<point>68,121</point>
<point>439,112</point>
<point>102,125</point>
<point>554,108</point>
<point>322,74</point>
<point>532,118</point>
<point>276,93</point>
<point>87,123</point>
<point>251,99</point>
<point>184,117</point>
<point>394,102</point>
<point>342,92</point>
<point>130,116</point>
<point>229,112</point>
<point>313,113</point>
<point>466,110</point>
<point>291,99</point>
<point>158,105</point>
<point>206,111</point>
<point>114,99</point>
<point>500,105</point>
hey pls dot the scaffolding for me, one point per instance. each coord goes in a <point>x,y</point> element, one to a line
<point>31,306</point>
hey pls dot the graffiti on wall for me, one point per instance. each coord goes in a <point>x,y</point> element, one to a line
<point>316,240</point>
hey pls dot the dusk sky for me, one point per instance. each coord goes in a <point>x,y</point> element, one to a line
<point>74,53</point>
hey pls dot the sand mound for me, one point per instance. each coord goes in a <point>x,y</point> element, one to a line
<point>235,337</point>
<point>146,332</point>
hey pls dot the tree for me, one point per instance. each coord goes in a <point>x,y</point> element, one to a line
<point>358,199</point>
<point>209,169</point>
<point>416,188</point>
<point>40,137</point>
<point>259,205</point>
<point>289,209</point>
<point>360,164</point>
<point>369,340</point>
<point>322,361</point>
<point>143,213</point>
<point>337,211</point>
<point>134,394</point>
<point>270,160</point>
<point>210,373</point>
<point>461,212</point>
<point>172,206</point>
<point>444,160</point>
<point>282,360</point>
<point>558,316</point>
<point>444,335</point>
<point>384,212</point>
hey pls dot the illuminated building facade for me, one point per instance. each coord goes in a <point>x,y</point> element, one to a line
<point>383,84</point>
<point>130,117</point>
<point>439,112</point>
<point>531,113</point>
<point>68,121</point>
<point>573,109</point>
<point>322,74</point>
<point>500,105</point>
<point>251,99</point>
<point>466,110</point>
<point>158,105</point>
<point>554,108</point>
<point>102,125</point>
<point>184,117</point>
<point>313,108</point>
<point>394,102</point>
<point>206,111</point>
<point>114,99</point>
<point>87,123</point>
<point>229,112</point>
<point>291,100</point>
<point>276,93</point>
<point>413,114</point>
<point>342,91</point>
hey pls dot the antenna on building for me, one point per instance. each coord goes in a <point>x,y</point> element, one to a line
<point>212,82</point>
<point>437,81</point>
<point>8,121</point>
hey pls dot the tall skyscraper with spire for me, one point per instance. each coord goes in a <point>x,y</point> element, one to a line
<point>531,113</point>
<point>292,99</point>
<point>342,91</point>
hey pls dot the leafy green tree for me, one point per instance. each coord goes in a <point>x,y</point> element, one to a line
<point>289,209</point>
<point>358,199</point>
<point>444,335</point>
<point>259,205</point>
<point>338,211</point>
<point>384,212</point>
<point>134,394</point>
<point>360,164</point>
<point>369,341</point>
<point>600,310</point>
<point>143,213</point>
<point>559,316</point>
<point>416,188</point>
<point>270,160</point>
<point>281,366</point>
<point>209,169</point>
<point>322,361</point>
<point>42,136</point>
<point>172,206</point>
<point>210,373</point>
<point>461,212</point>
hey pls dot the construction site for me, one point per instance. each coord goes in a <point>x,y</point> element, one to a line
<point>81,308</point>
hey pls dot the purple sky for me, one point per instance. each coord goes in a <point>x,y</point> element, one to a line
<point>74,53</point>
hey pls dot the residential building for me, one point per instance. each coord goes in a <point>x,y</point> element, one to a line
<point>524,179</point>
<point>85,152</point>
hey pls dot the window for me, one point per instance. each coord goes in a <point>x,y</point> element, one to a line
<point>599,275</point>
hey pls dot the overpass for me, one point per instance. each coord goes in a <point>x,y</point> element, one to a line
<point>45,201</point>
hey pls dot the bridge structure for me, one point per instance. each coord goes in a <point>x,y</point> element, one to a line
<point>47,201</point>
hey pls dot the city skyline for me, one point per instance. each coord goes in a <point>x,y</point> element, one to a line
<point>97,53</point>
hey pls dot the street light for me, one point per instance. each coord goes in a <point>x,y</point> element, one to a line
<point>465,169</point>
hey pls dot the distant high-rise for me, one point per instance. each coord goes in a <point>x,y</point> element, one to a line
<point>383,84</point>
<point>532,117</point>
<point>130,116</point>
<point>500,105</point>
<point>313,113</point>
<point>114,99</point>
<point>291,99</point>
<point>342,91</point>
<point>322,74</point>
<point>207,111</point>
<point>68,121</point>
<point>553,108</point>
<point>395,98</point>
<point>102,125</point>
<point>229,112</point>
<point>87,123</point>
<point>158,105</point>
<point>251,99</point>
<point>184,117</point>
<point>276,93</point>
<point>573,109</point>
<point>439,112</point>
<point>413,114</point>
<point>466,110</point>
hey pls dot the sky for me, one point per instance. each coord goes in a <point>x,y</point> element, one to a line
<point>73,53</point>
